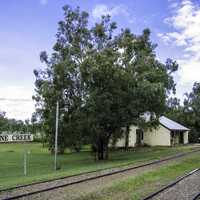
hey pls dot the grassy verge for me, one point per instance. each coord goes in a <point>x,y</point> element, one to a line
<point>40,162</point>
<point>138,187</point>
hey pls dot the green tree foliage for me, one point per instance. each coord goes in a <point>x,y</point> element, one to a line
<point>103,77</point>
<point>13,125</point>
<point>125,81</point>
<point>174,110</point>
<point>189,113</point>
<point>147,81</point>
<point>61,80</point>
<point>3,121</point>
<point>102,80</point>
<point>192,112</point>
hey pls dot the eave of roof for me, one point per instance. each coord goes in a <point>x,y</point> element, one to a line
<point>172,125</point>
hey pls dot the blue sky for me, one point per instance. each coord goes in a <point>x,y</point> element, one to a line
<point>29,26</point>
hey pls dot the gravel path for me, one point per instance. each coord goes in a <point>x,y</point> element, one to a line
<point>186,189</point>
<point>75,191</point>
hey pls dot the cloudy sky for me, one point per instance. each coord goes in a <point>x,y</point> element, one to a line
<point>29,26</point>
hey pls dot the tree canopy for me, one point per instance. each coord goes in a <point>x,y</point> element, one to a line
<point>13,125</point>
<point>104,79</point>
<point>187,113</point>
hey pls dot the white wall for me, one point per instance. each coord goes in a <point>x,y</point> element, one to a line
<point>157,137</point>
<point>185,137</point>
<point>120,142</point>
<point>132,138</point>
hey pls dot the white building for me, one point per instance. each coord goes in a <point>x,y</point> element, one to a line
<point>168,133</point>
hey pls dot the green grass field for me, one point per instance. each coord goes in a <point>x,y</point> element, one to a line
<point>135,188</point>
<point>40,162</point>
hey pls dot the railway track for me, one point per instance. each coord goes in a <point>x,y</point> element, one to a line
<point>157,194</point>
<point>45,186</point>
<point>197,197</point>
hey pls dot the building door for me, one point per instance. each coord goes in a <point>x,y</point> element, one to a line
<point>172,138</point>
<point>139,137</point>
<point>181,138</point>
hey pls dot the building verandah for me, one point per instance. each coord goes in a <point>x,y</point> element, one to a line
<point>178,137</point>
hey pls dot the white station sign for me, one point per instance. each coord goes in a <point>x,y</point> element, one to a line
<point>4,138</point>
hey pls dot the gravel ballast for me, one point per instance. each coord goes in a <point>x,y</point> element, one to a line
<point>186,189</point>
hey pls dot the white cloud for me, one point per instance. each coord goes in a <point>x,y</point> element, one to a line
<point>165,38</point>
<point>185,21</point>
<point>102,9</point>
<point>174,5</point>
<point>175,37</point>
<point>16,102</point>
<point>43,2</point>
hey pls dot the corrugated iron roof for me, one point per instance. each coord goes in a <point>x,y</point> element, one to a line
<point>172,125</point>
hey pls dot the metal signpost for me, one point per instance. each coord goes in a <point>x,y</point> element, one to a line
<point>25,162</point>
<point>56,136</point>
<point>20,138</point>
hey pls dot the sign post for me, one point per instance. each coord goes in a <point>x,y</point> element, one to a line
<point>12,138</point>
<point>56,136</point>
<point>6,138</point>
<point>25,162</point>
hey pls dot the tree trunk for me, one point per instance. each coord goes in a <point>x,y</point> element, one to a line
<point>100,150</point>
<point>61,150</point>
<point>107,147</point>
<point>106,152</point>
<point>100,154</point>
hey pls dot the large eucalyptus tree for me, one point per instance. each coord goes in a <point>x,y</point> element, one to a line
<point>103,80</point>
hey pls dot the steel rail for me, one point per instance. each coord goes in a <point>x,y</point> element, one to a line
<point>171,185</point>
<point>85,179</point>
<point>197,197</point>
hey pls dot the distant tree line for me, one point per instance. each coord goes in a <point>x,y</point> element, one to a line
<point>187,113</point>
<point>104,79</point>
<point>12,125</point>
